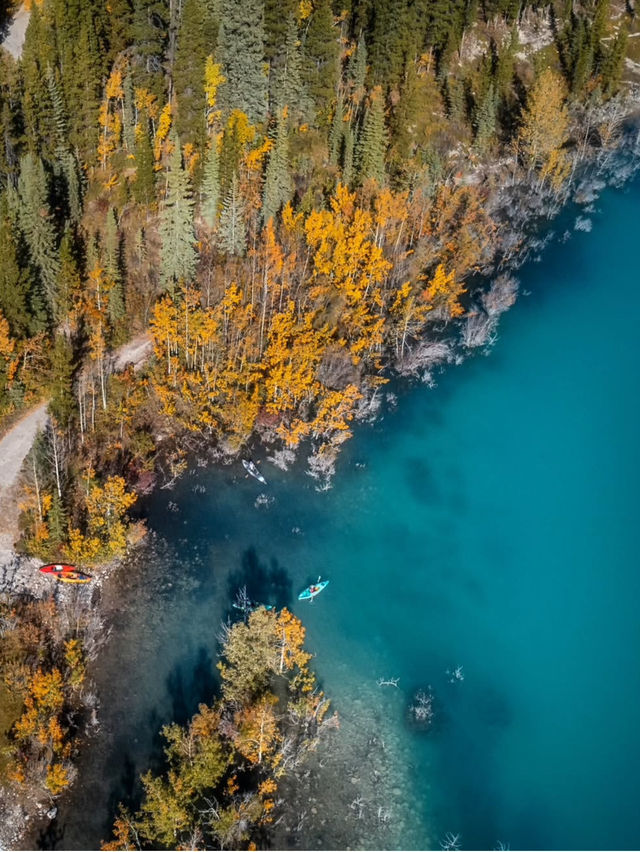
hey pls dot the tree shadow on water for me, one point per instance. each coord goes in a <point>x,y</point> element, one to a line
<point>267,584</point>
<point>191,683</point>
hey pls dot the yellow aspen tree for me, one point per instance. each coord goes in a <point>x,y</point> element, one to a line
<point>443,291</point>
<point>545,126</point>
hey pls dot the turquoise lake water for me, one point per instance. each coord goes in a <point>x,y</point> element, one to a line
<point>490,523</point>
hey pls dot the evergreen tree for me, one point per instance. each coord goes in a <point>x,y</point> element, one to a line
<point>62,400</point>
<point>38,54</point>
<point>69,282</point>
<point>196,38</point>
<point>233,144</point>
<point>120,22</point>
<point>15,281</point>
<point>150,32</point>
<point>210,186</point>
<point>241,50</point>
<point>113,267</point>
<point>289,88</point>
<point>613,63</point>
<point>36,224</point>
<point>83,89</point>
<point>57,521</point>
<point>347,158</point>
<point>358,71</point>
<point>485,119</point>
<point>278,186</point>
<point>10,117</point>
<point>321,67</point>
<point>391,38</point>
<point>128,119</point>
<point>277,15</point>
<point>599,31</point>
<point>372,140</point>
<point>176,226</point>
<point>232,234</point>
<point>337,131</point>
<point>144,184</point>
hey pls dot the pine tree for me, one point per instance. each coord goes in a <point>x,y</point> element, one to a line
<point>372,140</point>
<point>613,63</point>
<point>69,283</point>
<point>241,50</point>
<point>278,186</point>
<point>150,32</point>
<point>128,119</point>
<point>120,21</point>
<point>321,67</point>
<point>38,53</point>
<point>83,88</point>
<point>289,89</point>
<point>277,14</point>
<point>113,267</point>
<point>176,226</point>
<point>358,71</point>
<point>196,36</point>
<point>485,119</point>
<point>210,186</point>
<point>391,37</point>
<point>144,184</point>
<point>15,281</point>
<point>232,234</point>
<point>337,131</point>
<point>36,224</point>
<point>348,153</point>
<point>62,400</point>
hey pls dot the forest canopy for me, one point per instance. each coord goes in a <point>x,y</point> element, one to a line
<point>286,197</point>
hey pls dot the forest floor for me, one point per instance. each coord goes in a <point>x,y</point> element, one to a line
<point>13,40</point>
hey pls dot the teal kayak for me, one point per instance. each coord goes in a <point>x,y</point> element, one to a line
<point>314,589</point>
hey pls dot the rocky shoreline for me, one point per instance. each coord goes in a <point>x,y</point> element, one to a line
<point>521,210</point>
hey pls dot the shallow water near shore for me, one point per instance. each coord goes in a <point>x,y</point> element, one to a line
<point>489,523</point>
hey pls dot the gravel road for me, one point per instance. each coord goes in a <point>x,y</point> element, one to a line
<point>14,39</point>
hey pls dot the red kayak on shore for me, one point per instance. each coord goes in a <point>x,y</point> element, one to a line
<point>57,569</point>
<point>66,573</point>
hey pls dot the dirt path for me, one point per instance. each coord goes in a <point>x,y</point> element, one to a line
<point>134,352</point>
<point>16,31</point>
<point>13,449</point>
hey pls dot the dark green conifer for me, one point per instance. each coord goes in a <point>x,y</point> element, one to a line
<point>241,50</point>
<point>37,226</point>
<point>613,63</point>
<point>69,280</point>
<point>150,32</point>
<point>276,21</point>
<point>485,119</point>
<point>232,232</point>
<point>321,52</point>
<point>196,40</point>
<point>176,227</point>
<point>210,186</point>
<point>113,267</point>
<point>278,185</point>
<point>337,131</point>
<point>372,140</point>
<point>144,184</point>
<point>62,401</point>
<point>289,90</point>
<point>15,281</point>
